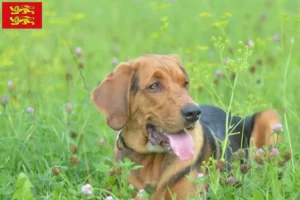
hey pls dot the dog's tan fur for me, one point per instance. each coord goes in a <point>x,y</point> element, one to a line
<point>262,131</point>
<point>129,109</point>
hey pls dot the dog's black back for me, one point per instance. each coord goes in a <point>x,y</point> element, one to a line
<point>214,119</point>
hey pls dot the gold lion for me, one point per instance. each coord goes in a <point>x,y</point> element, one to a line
<point>23,9</point>
<point>21,20</point>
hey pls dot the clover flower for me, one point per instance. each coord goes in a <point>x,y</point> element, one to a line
<point>259,151</point>
<point>274,152</point>
<point>55,170</point>
<point>244,168</point>
<point>30,110</point>
<point>276,37</point>
<point>78,51</point>
<point>219,73</point>
<point>277,128</point>
<point>4,100</point>
<point>69,107</point>
<point>241,153</point>
<point>114,61</point>
<point>230,180</point>
<point>10,85</point>
<point>87,189</point>
<point>249,43</point>
<point>252,69</point>
<point>81,64</point>
<point>200,175</point>
<point>287,155</point>
<point>220,165</point>
<point>73,148</point>
<point>259,159</point>
<point>101,141</point>
<point>74,160</point>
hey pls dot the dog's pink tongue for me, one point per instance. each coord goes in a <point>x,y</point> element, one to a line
<point>182,144</point>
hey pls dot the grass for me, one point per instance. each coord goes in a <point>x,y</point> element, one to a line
<point>53,152</point>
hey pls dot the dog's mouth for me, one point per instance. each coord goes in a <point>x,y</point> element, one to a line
<point>181,142</point>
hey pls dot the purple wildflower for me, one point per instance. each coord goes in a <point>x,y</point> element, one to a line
<point>114,61</point>
<point>277,128</point>
<point>101,141</point>
<point>10,85</point>
<point>30,110</point>
<point>87,189</point>
<point>250,43</point>
<point>69,107</point>
<point>276,37</point>
<point>219,73</point>
<point>230,180</point>
<point>259,151</point>
<point>78,51</point>
<point>4,100</point>
<point>274,152</point>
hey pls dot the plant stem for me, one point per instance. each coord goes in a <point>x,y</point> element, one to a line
<point>224,144</point>
<point>86,161</point>
<point>285,100</point>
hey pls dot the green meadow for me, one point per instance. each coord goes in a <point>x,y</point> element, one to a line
<point>241,55</point>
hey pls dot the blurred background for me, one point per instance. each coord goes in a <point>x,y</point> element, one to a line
<point>47,75</point>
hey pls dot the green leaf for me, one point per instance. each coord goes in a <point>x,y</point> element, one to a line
<point>257,195</point>
<point>137,167</point>
<point>24,186</point>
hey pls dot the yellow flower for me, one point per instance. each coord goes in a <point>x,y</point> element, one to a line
<point>202,48</point>
<point>220,24</point>
<point>260,42</point>
<point>154,36</point>
<point>6,62</point>
<point>77,16</point>
<point>205,14</point>
<point>226,15</point>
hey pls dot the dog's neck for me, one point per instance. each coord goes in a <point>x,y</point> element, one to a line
<point>155,171</point>
<point>120,143</point>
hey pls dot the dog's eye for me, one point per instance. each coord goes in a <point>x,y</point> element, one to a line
<point>155,87</point>
<point>186,85</point>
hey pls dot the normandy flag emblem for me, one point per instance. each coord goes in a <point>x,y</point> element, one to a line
<point>22,15</point>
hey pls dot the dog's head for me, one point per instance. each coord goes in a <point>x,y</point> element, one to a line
<point>148,98</point>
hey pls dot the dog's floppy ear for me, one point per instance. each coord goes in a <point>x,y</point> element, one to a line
<point>262,129</point>
<point>111,97</point>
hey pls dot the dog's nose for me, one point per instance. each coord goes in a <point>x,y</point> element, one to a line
<point>191,113</point>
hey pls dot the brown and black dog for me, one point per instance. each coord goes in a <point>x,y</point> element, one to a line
<point>160,127</point>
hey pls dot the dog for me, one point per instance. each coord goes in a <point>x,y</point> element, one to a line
<point>163,129</point>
